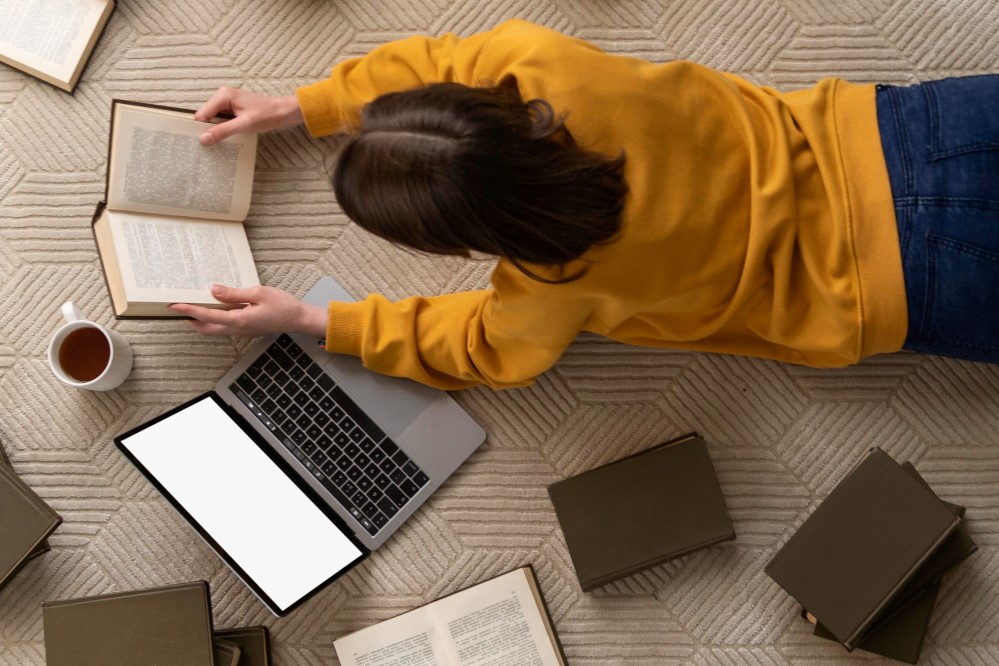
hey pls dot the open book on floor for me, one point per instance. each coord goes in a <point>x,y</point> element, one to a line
<point>502,620</point>
<point>51,39</point>
<point>171,223</point>
<point>876,542</point>
<point>640,511</point>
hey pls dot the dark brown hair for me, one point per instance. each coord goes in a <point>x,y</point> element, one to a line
<point>449,168</point>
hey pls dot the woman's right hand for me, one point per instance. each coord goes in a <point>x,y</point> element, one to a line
<point>253,112</point>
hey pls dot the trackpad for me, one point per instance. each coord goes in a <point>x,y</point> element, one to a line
<point>398,401</point>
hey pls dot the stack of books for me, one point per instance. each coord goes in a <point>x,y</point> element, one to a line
<point>167,626</point>
<point>866,565</point>
<point>26,522</point>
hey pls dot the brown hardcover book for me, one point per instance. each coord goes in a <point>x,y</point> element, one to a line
<point>900,635</point>
<point>861,545</point>
<point>899,631</point>
<point>254,644</point>
<point>52,39</point>
<point>26,521</point>
<point>44,546</point>
<point>500,620</point>
<point>226,653</point>
<point>171,224</point>
<point>640,511</point>
<point>166,626</point>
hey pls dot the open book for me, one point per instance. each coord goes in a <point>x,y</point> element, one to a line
<point>51,39</point>
<point>172,225</point>
<point>502,620</point>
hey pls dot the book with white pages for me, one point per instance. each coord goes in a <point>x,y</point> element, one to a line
<point>52,40</point>
<point>171,224</point>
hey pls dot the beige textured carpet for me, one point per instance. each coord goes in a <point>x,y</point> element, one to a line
<point>780,435</point>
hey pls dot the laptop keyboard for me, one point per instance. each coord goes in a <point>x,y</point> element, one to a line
<point>329,434</point>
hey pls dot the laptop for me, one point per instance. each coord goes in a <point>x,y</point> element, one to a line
<point>300,463</point>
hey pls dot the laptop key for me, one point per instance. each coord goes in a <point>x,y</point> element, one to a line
<point>329,469</point>
<point>421,479</point>
<point>336,493</point>
<point>326,382</point>
<point>282,359</point>
<point>396,496</point>
<point>358,498</point>
<point>364,483</point>
<point>388,507</point>
<point>368,526</point>
<point>409,488</point>
<point>377,455</point>
<point>398,476</point>
<point>244,383</point>
<point>400,458</point>
<point>410,468</point>
<point>382,481</point>
<point>379,520</point>
<point>375,494</point>
<point>372,470</point>
<point>315,371</point>
<point>357,414</point>
<point>369,508</point>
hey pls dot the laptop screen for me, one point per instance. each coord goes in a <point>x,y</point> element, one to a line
<point>265,526</point>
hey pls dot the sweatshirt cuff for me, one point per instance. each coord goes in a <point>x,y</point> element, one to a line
<point>319,108</point>
<point>344,324</point>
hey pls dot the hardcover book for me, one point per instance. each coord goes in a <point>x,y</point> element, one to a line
<point>171,224</point>
<point>899,630</point>
<point>503,620</point>
<point>862,545</point>
<point>26,522</point>
<point>52,39</point>
<point>226,653</point>
<point>166,626</point>
<point>44,546</point>
<point>640,511</point>
<point>254,644</point>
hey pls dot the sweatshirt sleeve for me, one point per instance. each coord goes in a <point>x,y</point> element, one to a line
<point>486,58</point>
<point>450,341</point>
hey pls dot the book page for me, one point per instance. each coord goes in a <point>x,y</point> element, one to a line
<point>495,623</point>
<point>158,165</point>
<point>409,639</point>
<point>48,36</point>
<point>177,260</point>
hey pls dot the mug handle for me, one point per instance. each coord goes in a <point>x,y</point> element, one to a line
<point>70,312</point>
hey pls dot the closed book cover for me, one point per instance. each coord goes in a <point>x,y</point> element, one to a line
<point>640,511</point>
<point>861,545</point>
<point>226,653</point>
<point>254,644</point>
<point>900,635</point>
<point>165,626</point>
<point>26,521</point>
<point>43,547</point>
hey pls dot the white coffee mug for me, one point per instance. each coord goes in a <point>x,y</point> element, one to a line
<point>87,355</point>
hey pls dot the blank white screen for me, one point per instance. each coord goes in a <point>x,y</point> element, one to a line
<point>266,524</point>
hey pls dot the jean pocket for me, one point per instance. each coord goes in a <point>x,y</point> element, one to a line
<point>962,283</point>
<point>964,115</point>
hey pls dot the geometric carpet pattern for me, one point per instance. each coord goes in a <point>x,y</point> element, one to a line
<point>780,436</point>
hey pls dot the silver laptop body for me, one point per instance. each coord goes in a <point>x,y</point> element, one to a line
<point>426,424</point>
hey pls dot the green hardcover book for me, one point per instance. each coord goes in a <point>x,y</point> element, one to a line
<point>254,644</point>
<point>862,545</point>
<point>26,521</point>
<point>165,626</point>
<point>640,511</point>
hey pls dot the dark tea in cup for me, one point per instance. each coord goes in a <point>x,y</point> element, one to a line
<point>84,354</point>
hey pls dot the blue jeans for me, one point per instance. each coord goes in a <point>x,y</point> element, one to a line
<point>941,145</point>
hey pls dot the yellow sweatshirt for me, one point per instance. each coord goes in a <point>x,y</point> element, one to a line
<point>757,223</point>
